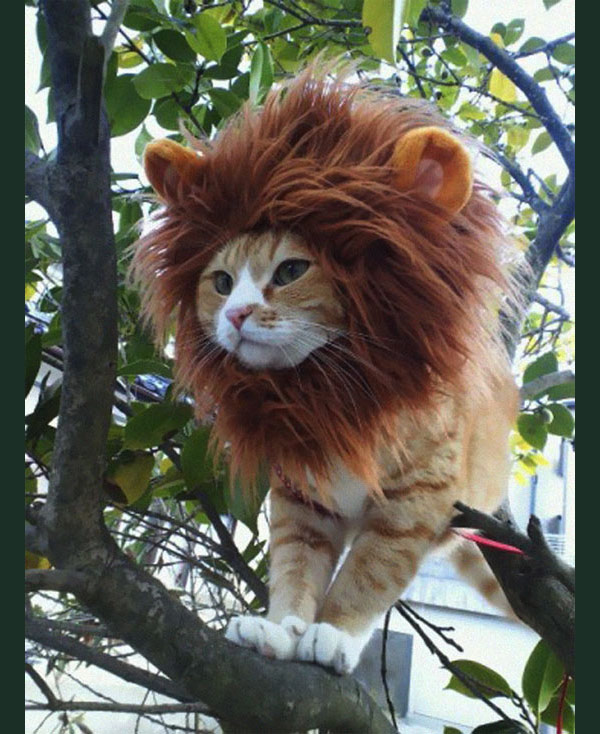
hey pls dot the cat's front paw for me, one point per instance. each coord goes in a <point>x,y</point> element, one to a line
<point>270,639</point>
<point>330,646</point>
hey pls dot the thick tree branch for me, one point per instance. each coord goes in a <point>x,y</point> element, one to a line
<point>539,586</point>
<point>210,668</point>
<point>80,184</point>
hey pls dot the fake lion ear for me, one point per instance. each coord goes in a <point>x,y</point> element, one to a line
<point>167,164</point>
<point>433,163</point>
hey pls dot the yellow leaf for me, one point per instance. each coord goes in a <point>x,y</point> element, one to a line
<point>497,39</point>
<point>502,87</point>
<point>133,476</point>
<point>165,465</point>
<point>30,291</point>
<point>32,560</point>
<point>521,479</point>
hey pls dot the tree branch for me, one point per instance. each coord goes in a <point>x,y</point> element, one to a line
<point>55,580</point>
<point>36,182</point>
<point>125,708</point>
<point>508,66</point>
<point>37,631</point>
<point>545,382</point>
<point>539,586</point>
<point>42,685</point>
<point>80,184</point>
<point>113,24</point>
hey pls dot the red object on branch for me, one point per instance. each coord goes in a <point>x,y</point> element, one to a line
<point>561,703</point>
<point>480,540</point>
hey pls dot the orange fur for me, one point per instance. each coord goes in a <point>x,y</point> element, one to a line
<point>422,279</point>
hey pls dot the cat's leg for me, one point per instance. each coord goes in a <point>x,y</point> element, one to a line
<point>381,562</point>
<point>305,546</point>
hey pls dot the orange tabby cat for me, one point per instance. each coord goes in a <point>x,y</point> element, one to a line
<point>337,274</point>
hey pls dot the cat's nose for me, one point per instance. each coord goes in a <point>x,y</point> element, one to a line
<point>237,316</point>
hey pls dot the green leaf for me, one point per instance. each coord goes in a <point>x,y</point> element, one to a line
<point>550,715</point>
<point>224,101</point>
<point>549,3</point>
<point>33,356</point>
<point>46,409</point>
<point>32,131</point>
<point>261,73</point>
<point>563,422</point>
<point>451,730</point>
<point>196,461</point>
<point>531,44</point>
<point>138,20</point>
<point>412,10</point>
<point>565,53</point>
<point>514,31</point>
<point>570,697</point>
<point>209,39</point>
<point>542,141</point>
<point>174,45</point>
<point>167,113</point>
<point>502,727</point>
<point>145,367</point>
<point>543,75</point>
<point>459,8</point>
<point>490,683</point>
<point>543,365</point>
<point>151,426</point>
<point>562,392</point>
<point>542,676</point>
<point>455,56</point>
<point>518,136</point>
<point>470,111</point>
<point>245,503</point>
<point>382,18</point>
<point>125,108</point>
<point>533,429</point>
<point>141,142</point>
<point>160,80</point>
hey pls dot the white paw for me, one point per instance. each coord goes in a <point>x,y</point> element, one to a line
<point>268,638</point>
<point>294,626</point>
<point>327,645</point>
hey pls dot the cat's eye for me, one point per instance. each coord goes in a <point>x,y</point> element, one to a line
<point>223,282</point>
<point>290,270</point>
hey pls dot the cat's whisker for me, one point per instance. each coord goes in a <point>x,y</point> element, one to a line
<point>350,374</point>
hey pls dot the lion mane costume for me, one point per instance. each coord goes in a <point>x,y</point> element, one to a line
<point>383,193</point>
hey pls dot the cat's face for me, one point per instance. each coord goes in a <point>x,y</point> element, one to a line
<point>266,300</point>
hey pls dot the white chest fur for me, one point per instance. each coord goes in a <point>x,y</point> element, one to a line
<point>348,494</point>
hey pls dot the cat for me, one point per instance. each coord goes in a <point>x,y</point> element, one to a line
<point>337,273</point>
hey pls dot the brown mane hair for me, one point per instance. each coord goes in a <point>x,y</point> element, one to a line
<point>421,289</point>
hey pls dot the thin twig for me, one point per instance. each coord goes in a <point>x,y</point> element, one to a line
<point>447,663</point>
<point>384,639</point>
